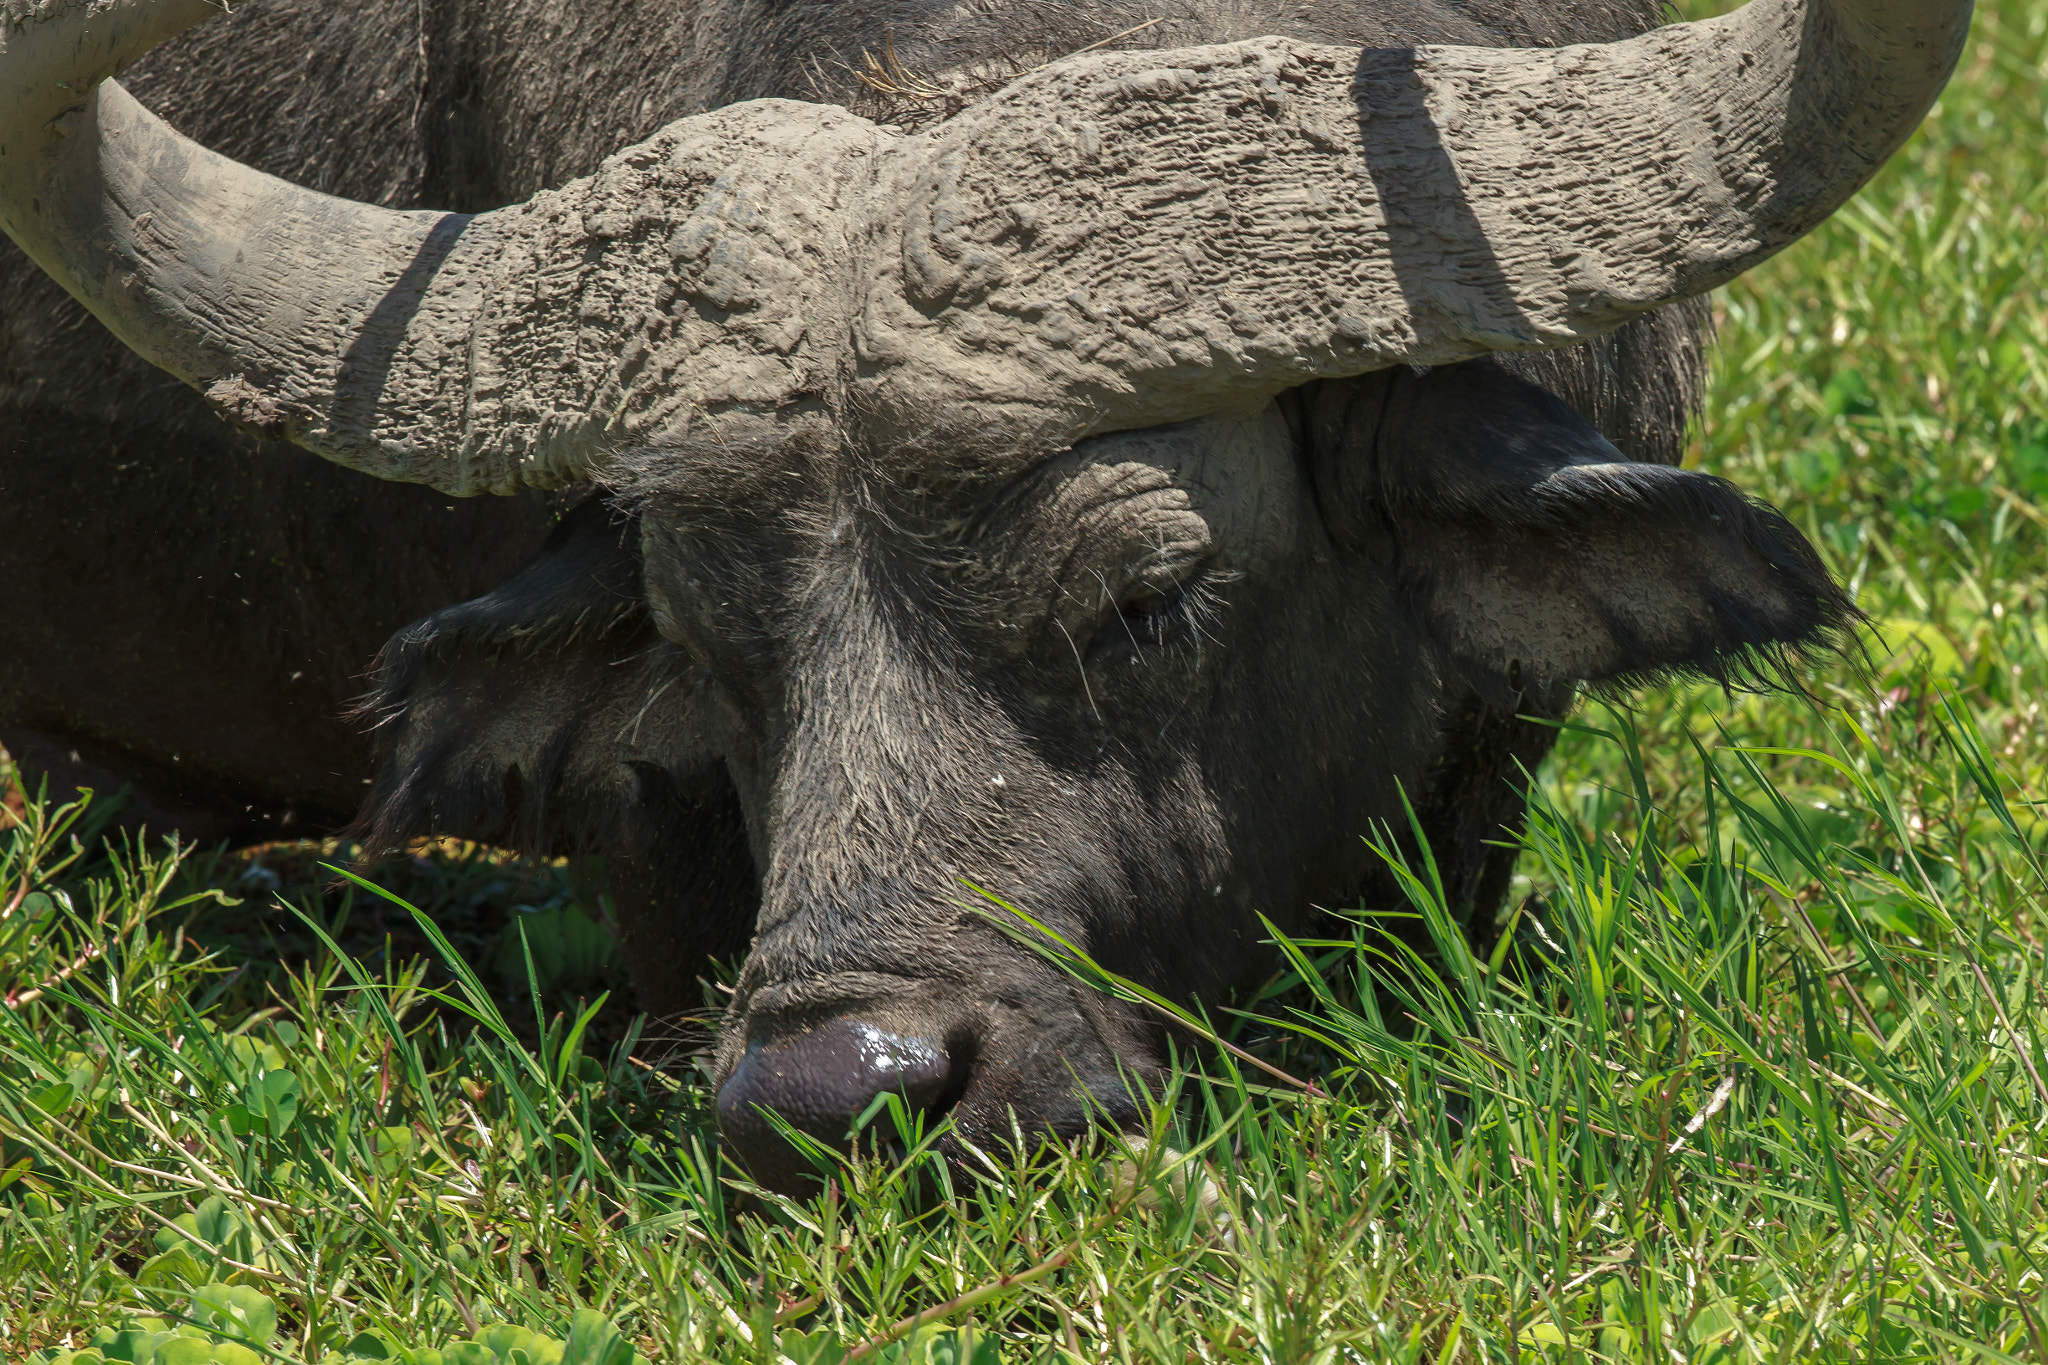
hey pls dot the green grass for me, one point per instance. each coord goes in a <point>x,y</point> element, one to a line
<point>1759,1075</point>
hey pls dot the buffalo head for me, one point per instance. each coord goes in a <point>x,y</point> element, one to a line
<point>1100,498</point>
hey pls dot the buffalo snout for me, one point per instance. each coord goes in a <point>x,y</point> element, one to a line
<point>820,1080</point>
<point>995,1077</point>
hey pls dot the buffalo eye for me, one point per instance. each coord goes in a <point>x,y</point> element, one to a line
<point>1148,614</point>
<point>1146,611</point>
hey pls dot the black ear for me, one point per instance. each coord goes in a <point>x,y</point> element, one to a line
<point>1540,557</point>
<point>547,715</point>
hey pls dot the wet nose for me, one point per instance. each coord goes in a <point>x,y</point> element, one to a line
<point>820,1080</point>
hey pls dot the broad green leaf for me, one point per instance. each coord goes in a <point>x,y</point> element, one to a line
<point>275,1096</point>
<point>811,1348</point>
<point>177,1268</point>
<point>53,1099</point>
<point>514,1345</point>
<point>183,1350</point>
<point>391,1148</point>
<point>237,1311</point>
<point>593,1340</point>
<point>136,1345</point>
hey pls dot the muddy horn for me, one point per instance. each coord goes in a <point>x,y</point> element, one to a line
<point>1133,238</point>
<point>1119,240</point>
<point>473,353</point>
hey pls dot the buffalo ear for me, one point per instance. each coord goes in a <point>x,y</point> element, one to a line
<point>550,716</point>
<point>1540,557</point>
<point>547,715</point>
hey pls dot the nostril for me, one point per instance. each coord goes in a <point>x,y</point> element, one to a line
<point>820,1081</point>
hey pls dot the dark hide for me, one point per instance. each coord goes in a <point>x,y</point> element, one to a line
<point>189,614</point>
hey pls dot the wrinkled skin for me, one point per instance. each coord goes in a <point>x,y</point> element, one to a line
<point>1146,690</point>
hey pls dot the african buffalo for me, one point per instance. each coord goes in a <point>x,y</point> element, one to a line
<point>1108,478</point>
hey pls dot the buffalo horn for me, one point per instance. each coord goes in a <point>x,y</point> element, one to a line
<point>1119,240</point>
<point>697,282</point>
<point>1132,238</point>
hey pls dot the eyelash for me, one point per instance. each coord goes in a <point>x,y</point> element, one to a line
<point>1138,625</point>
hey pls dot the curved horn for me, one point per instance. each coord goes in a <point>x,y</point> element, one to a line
<point>681,285</point>
<point>1133,238</point>
<point>1120,240</point>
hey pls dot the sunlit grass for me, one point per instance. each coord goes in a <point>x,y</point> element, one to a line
<point>1757,1074</point>
<point>1767,1086</point>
